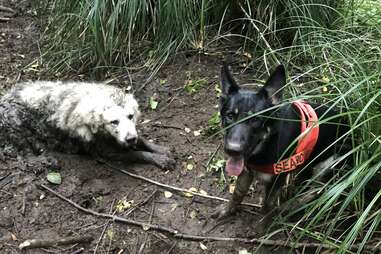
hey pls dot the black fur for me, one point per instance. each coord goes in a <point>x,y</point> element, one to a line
<point>264,138</point>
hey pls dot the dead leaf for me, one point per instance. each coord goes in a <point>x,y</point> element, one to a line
<point>174,206</point>
<point>188,194</point>
<point>168,194</point>
<point>123,204</point>
<point>325,79</point>
<point>110,233</point>
<point>203,246</point>
<point>196,133</point>
<point>203,192</point>
<point>14,237</point>
<point>231,188</point>
<point>146,227</point>
<point>247,54</point>
<point>193,214</point>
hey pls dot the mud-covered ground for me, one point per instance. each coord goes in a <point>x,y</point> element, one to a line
<point>27,211</point>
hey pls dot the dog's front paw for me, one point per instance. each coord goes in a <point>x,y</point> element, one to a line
<point>164,162</point>
<point>223,211</point>
<point>163,150</point>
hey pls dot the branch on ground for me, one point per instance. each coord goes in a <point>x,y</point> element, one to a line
<point>7,9</point>
<point>3,19</point>
<point>176,234</point>
<point>165,186</point>
<point>43,243</point>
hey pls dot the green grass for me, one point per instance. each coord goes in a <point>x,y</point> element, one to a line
<point>341,66</point>
<point>86,36</point>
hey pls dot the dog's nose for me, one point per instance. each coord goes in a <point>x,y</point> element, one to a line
<point>233,147</point>
<point>131,140</point>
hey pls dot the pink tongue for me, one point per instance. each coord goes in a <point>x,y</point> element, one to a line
<point>234,166</point>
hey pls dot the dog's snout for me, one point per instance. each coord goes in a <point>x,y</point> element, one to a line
<point>131,140</point>
<point>234,147</point>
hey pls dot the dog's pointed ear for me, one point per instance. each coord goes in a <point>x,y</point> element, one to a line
<point>273,87</point>
<point>228,84</point>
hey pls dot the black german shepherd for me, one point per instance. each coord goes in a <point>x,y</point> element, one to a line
<point>265,139</point>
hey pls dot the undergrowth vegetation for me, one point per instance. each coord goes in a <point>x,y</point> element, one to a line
<point>332,51</point>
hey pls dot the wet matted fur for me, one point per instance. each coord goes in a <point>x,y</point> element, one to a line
<point>74,117</point>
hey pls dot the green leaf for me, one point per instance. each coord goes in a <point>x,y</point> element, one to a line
<point>153,103</point>
<point>54,177</point>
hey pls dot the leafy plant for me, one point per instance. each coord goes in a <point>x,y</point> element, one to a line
<point>217,166</point>
<point>213,125</point>
<point>192,85</point>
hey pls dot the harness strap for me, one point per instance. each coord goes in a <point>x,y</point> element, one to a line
<point>306,143</point>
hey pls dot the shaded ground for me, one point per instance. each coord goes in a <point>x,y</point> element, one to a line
<point>29,212</point>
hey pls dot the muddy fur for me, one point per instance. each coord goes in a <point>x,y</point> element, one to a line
<point>71,117</point>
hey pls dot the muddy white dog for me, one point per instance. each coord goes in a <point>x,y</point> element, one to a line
<point>75,117</point>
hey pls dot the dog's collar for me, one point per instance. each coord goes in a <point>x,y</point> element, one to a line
<point>306,143</point>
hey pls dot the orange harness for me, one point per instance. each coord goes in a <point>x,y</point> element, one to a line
<point>307,141</point>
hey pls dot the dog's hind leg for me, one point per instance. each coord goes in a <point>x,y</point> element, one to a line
<point>243,183</point>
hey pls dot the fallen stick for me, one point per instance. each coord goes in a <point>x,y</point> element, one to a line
<point>4,19</point>
<point>177,234</point>
<point>80,250</point>
<point>43,243</point>
<point>174,187</point>
<point>7,9</point>
<point>164,126</point>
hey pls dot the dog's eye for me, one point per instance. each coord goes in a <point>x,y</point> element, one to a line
<point>130,116</point>
<point>114,122</point>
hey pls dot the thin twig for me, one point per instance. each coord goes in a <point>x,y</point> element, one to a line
<point>80,250</point>
<point>213,155</point>
<point>41,243</point>
<point>23,203</point>
<point>141,203</point>
<point>6,9</point>
<point>179,235</point>
<point>172,247</point>
<point>175,188</point>
<point>141,250</point>
<point>166,126</point>
<point>3,177</point>
<point>3,19</point>
<point>104,228</point>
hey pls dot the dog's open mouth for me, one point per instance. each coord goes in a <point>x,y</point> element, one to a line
<point>235,165</point>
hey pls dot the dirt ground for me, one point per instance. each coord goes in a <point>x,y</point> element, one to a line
<point>27,211</point>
